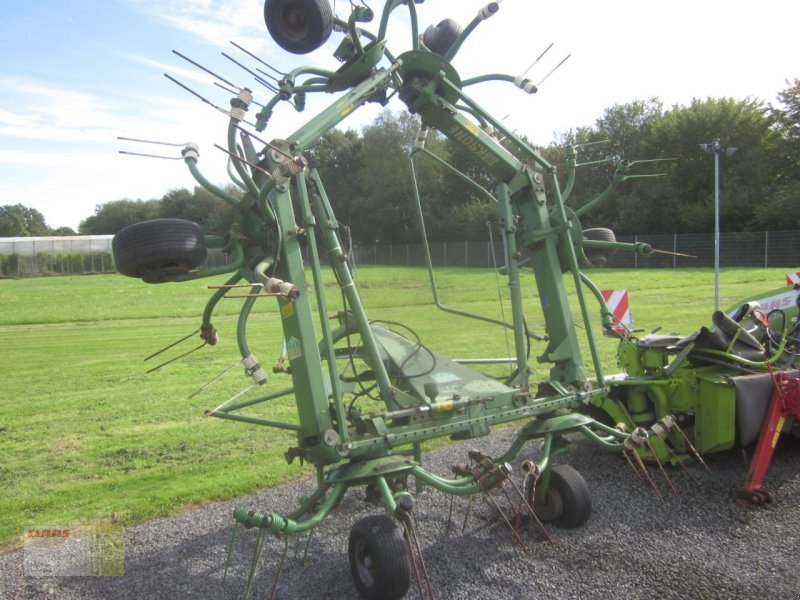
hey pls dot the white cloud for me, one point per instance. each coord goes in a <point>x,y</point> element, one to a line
<point>214,21</point>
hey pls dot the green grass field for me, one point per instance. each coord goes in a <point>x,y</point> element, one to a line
<point>87,436</point>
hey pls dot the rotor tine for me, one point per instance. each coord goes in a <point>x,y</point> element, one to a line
<point>510,504</point>
<point>274,589</point>
<point>308,545</point>
<point>229,400</point>
<point>525,72</point>
<point>661,467</point>
<point>533,495</point>
<point>195,94</point>
<point>244,160</point>
<point>531,511</point>
<point>256,555</point>
<point>553,70</point>
<point>466,514</point>
<point>259,79</point>
<point>647,476</point>
<point>199,66</point>
<point>258,59</point>
<point>158,143</point>
<point>630,462</point>
<point>172,345</point>
<point>146,155</point>
<point>489,500</point>
<point>410,550</point>
<point>680,462</point>
<point>694,450</point>
<point>205,385</point>
<point>414,527</point>
<point>449,516</point>
<point>230,551</point>
<point>172,360</point>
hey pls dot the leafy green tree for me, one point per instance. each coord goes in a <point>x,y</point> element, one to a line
<point>745,177</point>
<point>64,231</point>
<point>201,206</point>
<point>786,120</point>
<point>17,220</point>
<point>110,217</point>
<point>338,158</point>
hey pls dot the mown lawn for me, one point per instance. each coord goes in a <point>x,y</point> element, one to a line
<point>87,436</point>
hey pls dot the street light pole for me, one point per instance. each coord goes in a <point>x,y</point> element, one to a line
<point>716,147</point>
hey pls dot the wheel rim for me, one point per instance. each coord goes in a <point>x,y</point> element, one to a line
<point>551,508</point>
<point>292,23</point>
<point>363,558</point>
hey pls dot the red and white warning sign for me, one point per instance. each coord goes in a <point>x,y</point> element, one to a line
<point>617,301</point>
<point>792,278</point>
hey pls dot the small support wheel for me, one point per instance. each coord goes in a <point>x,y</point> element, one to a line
<point>567,502</point>
<point>598,256</point>
<point>440,38</point>
<point>379,560</point>
<point>158,250</point>
<point>299,26</point>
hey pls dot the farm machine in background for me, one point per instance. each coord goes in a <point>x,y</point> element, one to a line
<point>368,394</point>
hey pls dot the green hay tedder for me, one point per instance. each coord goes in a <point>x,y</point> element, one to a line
<point>676,398</point>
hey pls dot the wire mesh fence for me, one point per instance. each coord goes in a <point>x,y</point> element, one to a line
<point>71,255</point>
<point>739,249</point>
<point>68,255</point>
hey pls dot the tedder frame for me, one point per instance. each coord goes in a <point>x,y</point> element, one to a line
<point>284,216</point>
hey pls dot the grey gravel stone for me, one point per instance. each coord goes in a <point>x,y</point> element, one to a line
<point>697,545</point>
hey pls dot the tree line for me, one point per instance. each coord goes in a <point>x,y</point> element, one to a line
<point>367,176</point>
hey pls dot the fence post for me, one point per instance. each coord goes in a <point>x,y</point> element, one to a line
<point>408,255</point>
<point>766,248</point>
<point>636,254</point>
<point>391,255</point>
<point>674,250</point>
<point>445,254</point>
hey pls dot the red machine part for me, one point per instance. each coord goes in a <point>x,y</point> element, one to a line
<point>784,404</point>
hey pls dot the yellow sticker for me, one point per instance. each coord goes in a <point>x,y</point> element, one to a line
<point>287,310</point>
<point>444,406</point>
<point>778,429</point>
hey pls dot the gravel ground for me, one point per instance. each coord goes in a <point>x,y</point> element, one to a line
<point>699,545</point>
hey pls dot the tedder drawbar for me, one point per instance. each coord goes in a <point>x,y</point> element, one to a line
<point>677,396</point>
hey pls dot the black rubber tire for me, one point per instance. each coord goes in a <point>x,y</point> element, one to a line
<point>598,256</point>
<point>568,503</point>
<point>158,249</point>
<point>299,26</point>
<point>438,39</point>
<point>379,560</point>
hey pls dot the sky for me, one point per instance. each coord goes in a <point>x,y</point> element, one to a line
<point>75,75</point>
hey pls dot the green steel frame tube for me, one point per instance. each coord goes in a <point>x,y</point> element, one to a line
<point>426,248</point>
<point>322,210</point>
<point>257,421</point>
<point>576,275</point>
<point>514,285</point>
<point>216,297</point>
<point>191,163</point>
<point>309,222</point>
<point>412,10</point>
<point>257,400</point>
